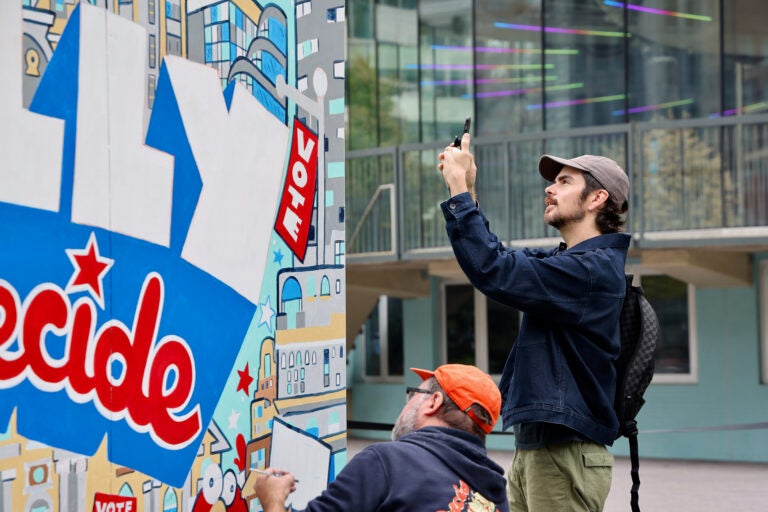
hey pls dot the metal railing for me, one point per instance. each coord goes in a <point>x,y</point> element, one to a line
<point>702,181</point>
<point>374,204</point>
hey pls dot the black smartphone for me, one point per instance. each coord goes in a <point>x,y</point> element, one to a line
<point>467,124</point>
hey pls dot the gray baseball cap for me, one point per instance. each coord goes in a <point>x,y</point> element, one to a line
<point>612,177</point>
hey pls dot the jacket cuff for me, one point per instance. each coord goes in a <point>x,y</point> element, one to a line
<point>456,205</point>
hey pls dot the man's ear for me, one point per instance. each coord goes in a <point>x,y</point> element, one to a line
<point>599,198</point>
<point>433,404</point>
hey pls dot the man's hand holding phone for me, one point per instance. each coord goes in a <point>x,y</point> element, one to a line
<point>458,165</point>
<point>467,125</point>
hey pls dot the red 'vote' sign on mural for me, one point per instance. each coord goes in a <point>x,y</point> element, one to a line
<point>111,503</point>
<point>294,216</point>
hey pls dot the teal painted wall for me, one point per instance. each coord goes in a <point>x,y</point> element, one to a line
<point>421,334</point>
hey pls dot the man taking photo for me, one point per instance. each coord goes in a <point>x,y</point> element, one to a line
<point>559,380</point>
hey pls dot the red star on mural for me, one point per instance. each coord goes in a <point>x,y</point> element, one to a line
<point>245,381</point>
<point>90,269</point>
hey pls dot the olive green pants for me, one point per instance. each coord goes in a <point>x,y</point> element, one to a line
<point>567,477</point>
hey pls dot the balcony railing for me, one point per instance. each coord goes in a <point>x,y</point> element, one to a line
<point>702,181</point>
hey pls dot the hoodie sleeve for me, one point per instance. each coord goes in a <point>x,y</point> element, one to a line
<point>362,485</point>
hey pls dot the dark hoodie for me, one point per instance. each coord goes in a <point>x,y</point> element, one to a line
<point>431,469</point>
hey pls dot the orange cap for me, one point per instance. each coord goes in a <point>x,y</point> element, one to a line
<point>467,385</point>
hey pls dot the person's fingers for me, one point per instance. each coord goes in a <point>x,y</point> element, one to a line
<point>465,142</point>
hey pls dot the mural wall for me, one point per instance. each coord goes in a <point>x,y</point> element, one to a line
<point>172,268</point>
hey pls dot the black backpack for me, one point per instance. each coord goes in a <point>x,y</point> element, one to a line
<point>640,333</point>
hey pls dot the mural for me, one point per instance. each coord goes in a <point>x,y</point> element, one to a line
<point>172,275</point>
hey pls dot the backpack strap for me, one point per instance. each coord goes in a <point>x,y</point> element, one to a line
<point>635,471</point>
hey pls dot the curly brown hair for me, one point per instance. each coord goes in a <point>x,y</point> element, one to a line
<point>610,218</point>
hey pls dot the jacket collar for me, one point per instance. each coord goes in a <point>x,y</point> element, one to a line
<point>609,241</point>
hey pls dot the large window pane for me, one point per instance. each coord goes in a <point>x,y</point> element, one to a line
<point>669,297</point>
<point>746,68</point>
<point>359,19</point>
<point>584,45</point>
<point>509,68</point>
<point>460,324</point>
<point>383,336</point>
<point>372,337</point>
<point>395,336</point>
<point>397,38</point>
<point>684,186</point>
<point>382,74</point>
<point>674,56</point>
<point>503,328</point>
<point>445,52</point>
<point>361,85</point>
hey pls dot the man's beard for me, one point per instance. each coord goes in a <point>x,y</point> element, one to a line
<point>559,221</point>
<point>406,423</point>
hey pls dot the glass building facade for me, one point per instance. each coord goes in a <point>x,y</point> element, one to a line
<point>417,68</point>
<point>676,91</point>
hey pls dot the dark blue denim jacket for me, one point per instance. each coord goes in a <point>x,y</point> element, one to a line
<point>561,369</point>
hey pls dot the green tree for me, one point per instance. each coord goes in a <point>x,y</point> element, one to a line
<point>685,185</point>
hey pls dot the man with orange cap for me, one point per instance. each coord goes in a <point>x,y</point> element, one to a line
<point>436,461</point>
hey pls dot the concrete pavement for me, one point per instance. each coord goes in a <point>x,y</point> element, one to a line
<point>672,485</point>
<point>688,486</point>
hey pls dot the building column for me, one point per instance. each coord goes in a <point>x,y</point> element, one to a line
<point>71,470</point>
<point>6,492</point>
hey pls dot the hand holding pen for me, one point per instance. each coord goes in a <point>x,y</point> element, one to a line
<point>274,472</point>
<point>271,486</point>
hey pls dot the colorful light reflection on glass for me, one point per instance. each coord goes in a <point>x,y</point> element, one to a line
<point>558,30</point>
<point>518,92</point>
<point>486,81</point>
<point>494,49</point>
<point>479,66</point>
<point>747,109</point>
<point>650,108</point>
<point>570,103</point>
<point>662,12</point>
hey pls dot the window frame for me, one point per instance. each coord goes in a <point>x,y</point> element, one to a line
<point>480,311</point>
<point>384,375</point>
<point>692,377</point>
<point>443,352</point>
<point>762,292</point>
